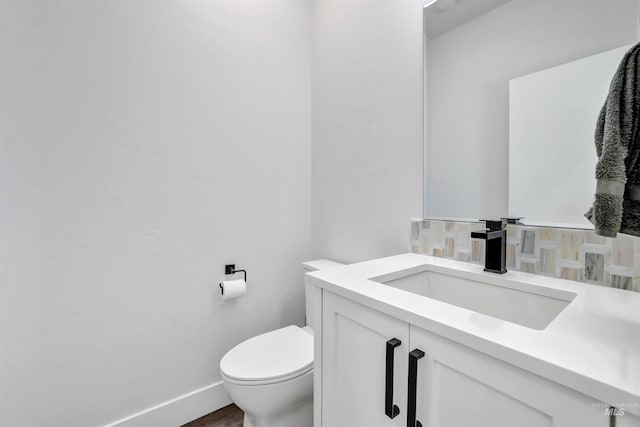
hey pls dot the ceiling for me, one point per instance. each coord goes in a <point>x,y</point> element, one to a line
<point>444,15</point>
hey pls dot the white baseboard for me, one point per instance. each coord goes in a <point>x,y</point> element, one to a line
<point>180,410</point>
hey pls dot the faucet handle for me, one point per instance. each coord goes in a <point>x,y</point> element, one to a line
<point>495,225</point>
<point>514,220</point>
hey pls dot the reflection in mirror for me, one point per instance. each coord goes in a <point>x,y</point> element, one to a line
<point>473,49</point>
<point>551,115</point>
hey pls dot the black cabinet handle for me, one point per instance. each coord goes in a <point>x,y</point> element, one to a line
<point>390,409</point>
<point>414,356</point>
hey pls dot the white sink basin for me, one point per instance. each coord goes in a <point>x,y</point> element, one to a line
<point>534,307</point>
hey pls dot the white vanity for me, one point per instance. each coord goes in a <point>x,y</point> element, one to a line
<point>461,347</point>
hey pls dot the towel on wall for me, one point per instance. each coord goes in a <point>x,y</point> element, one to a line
<point>616,208</point>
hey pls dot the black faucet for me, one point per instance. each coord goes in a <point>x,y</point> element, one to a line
<point>495,249</point>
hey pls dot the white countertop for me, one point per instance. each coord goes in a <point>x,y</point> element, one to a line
<point>593,346</point>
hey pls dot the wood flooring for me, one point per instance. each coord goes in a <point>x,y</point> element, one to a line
<point>229,416</point>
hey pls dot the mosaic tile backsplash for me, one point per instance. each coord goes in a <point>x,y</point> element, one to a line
<point>572,254</point>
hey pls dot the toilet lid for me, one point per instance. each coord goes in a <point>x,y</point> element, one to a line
<point>276,354</point>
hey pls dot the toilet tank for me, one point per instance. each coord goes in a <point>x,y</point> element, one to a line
<point>310,294</point>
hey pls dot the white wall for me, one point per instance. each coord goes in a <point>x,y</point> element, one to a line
<point>367,126</point>
<point>145,145</point>
<point>469,70</point>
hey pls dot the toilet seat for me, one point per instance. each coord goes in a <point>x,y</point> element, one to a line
<point>272,357</point>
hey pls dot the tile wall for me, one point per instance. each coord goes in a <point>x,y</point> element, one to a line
<point>558,252</point>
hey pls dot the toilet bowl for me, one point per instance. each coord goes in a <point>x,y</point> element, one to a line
<point>270,376</point>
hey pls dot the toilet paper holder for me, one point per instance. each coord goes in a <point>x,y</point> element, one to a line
<point>231,269</point>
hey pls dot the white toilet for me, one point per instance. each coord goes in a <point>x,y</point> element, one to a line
<point>270,376</point>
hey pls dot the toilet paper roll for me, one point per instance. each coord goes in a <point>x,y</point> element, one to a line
<point>232,289</point>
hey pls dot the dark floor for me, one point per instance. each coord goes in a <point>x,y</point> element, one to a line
<point>229,416</point>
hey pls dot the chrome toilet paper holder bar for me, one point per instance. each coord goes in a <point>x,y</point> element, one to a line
<point>231,269</point>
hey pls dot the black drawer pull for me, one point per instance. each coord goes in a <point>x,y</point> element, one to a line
<point>414,356</point>
<point>390,409</point>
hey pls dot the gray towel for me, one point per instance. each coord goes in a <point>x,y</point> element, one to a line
<point>618,169</point>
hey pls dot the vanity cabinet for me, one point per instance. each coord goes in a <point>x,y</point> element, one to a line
<point>442,383</point>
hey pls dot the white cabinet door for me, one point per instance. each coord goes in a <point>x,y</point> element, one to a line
<point>354,364</point>
<point>626,420</point>
<point>460,387</point>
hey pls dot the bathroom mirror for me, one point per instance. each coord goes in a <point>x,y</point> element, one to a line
<point>473,50</point>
